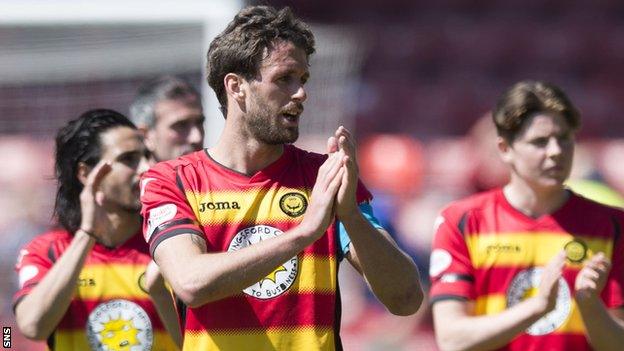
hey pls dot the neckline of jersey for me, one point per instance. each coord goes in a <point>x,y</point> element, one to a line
<point>261,175</point>
<point>526,218</point>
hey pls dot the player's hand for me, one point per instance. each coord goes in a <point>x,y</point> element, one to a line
<point>321,210</point>
<point>592,278</point>
<point>92,199</point>
<point>549,283</point>
<point>154,281</point>
<point>346,202</point>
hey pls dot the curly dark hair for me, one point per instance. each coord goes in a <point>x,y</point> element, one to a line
<point>241,46</point>
<point>527,98</point>
<point>79,141</point>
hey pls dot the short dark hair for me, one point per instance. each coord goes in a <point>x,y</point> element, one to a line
<point>527,98</point>
<point>143,107</point>
<point>240,47</point>
<point>79,141</point>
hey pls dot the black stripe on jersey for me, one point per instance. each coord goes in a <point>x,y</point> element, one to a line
<point>179,181</point>
<point>51,254</point>
<point>616,230</point>
<point>462,224</point>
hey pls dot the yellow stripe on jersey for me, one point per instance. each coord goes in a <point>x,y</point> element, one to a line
<point>309,281</point>
<point>110,281</point>
<point>297,338</point>
<point>523,249</point>
<point>77,340</point>
<point>250,206</point>
<point>497,303</point>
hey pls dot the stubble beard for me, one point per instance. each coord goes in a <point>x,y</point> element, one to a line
<point>262,125</point>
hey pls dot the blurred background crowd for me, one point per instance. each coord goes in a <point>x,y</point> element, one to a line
<point>415,81</point>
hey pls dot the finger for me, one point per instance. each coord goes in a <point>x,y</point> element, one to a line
<point>331,159</point>
<point>335,168</point>
<point>591,274</point>
<point>332,144</point>
<point>94,179</point>
<point>334,185</point>
<point>99,198</point>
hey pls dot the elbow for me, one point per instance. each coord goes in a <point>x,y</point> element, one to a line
<point>192,293</point>
<point>32,330</point>
<point>407,302</point>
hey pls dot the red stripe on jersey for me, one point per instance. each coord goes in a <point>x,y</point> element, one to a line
<point>288,310</point>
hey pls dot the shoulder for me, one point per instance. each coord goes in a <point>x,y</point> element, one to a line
<point>169,167</point>
<point>595,210</point>
<point>470,205</point>
<point>306,157</point>
<point>44,240</point>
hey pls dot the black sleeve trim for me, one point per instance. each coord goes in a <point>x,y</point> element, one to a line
<point>461,226</point>
<point>447,297</point>
<point>454,277</point>
<point>168,225</point>
<point>171,234</point>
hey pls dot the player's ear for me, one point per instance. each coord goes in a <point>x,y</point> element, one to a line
<point>235,87</point>
<point>83,172</point>
<point>504,148</point>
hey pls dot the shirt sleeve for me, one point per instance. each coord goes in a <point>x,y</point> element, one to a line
<point>450,269</point>
<point>343,236</point>
<point>165,208</point>
<point>33,263</point>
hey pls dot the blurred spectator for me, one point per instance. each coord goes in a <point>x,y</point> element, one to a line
<point>168,111</point>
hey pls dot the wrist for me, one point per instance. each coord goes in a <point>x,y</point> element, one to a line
<point>85,233</point>
<point>585,298</point>
<point>350,215</point>
<point>538,305</point>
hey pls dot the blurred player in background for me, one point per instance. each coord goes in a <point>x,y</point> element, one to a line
<point>168,110</point>
<point>84,287</point>
<point>532,265</point>
<point>246,232</point>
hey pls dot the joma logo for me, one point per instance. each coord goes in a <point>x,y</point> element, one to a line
<point>216,206</point>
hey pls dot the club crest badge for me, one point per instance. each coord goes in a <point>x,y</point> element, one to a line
<point>576,250</point>
<point>293,204</point>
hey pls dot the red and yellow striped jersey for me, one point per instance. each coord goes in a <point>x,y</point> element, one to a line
<point>488,252</point>
<point>110,309</point>
<point>295,307</point>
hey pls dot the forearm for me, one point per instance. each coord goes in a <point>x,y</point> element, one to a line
<point>42,309</point>
<point>199,278</point>
<point>392,274</point>
<point>486,332</point>
<point>603,331</point>
<point>163,301</point>
<point>165,306</point>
